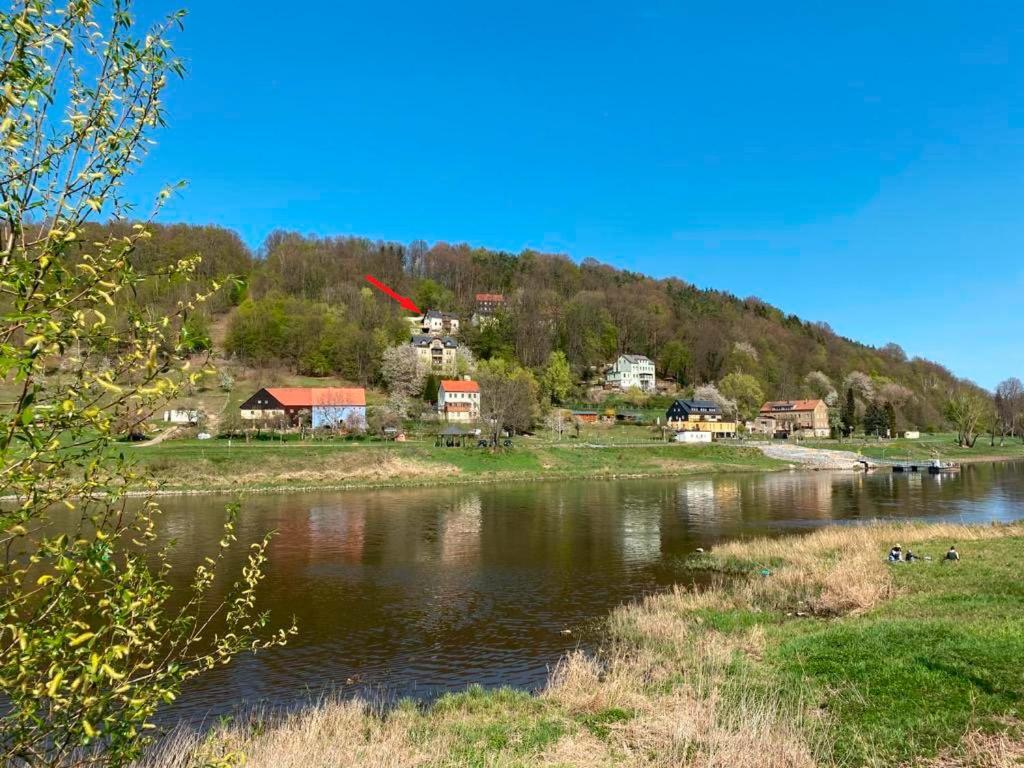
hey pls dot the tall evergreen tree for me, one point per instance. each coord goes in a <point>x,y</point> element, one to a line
<point>849,413</point>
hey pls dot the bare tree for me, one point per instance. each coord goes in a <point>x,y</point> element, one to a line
<point>1009,408</point>
<point>508,398</point>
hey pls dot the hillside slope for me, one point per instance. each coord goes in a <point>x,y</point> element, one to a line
<point>306,307</point>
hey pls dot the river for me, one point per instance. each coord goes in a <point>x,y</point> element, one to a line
<point>417,592</point>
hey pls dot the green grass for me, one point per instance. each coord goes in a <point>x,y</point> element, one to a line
<point>218,465</point>
<point>940,445</point>
<point>935,656</point>
<point>925,667</point>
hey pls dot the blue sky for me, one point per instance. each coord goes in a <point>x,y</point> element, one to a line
<point>858,163</point>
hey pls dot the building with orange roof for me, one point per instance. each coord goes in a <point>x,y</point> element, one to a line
<point>458,400</point>
<point>799,418</point>
<point>323,406</point>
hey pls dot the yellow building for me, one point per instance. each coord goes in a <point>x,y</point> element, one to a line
<point>699,416</point>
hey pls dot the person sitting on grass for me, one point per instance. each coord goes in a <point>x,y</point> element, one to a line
<point>896,554</point>
<point>953,556</point>
<point>911,557</point>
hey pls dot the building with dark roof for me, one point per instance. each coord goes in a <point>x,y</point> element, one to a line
<point>435,354</point>
<point>324,406</point>
<point>699,416</point>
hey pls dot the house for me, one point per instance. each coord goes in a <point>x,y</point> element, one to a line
<point>435,323</point>
<point>699,416</point>
<point>632,371</point>
<point>762,425</point>
<point>458,400</point>
<point>435,354</point>
<point>799,418</point>
<point>487,307</point>
<point>585,417</point>
<point>182,416</point>
<point>323,406</point>
<point>489,303</point>
<point>692,437</point>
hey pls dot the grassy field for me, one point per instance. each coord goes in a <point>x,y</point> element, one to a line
<point>208,465</point>
<point>811,652</point>
<point>928,446</point>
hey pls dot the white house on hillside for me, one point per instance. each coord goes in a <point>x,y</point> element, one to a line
<point>632,371</point>
<point>458,400</point>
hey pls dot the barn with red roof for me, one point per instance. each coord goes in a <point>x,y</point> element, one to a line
<point>322,406</point>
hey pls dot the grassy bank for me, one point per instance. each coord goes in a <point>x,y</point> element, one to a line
<point>940,445</point>
<point>812,652</point>
<point>214,465</point>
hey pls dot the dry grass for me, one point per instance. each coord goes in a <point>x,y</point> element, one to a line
<point>840,571</point>
<point>335,734</point>
<point>984,750</point>
<point>331,468</point>
<point>669,690</point>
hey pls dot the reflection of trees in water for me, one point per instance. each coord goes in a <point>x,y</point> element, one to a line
<point>800,495</point>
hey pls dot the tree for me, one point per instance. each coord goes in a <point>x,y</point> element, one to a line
<point>556,381</point>
<point>861,385</point>
<point>400,371</point>
<point>556,421</point>
<point>508,398</point>
<point>745,356</point>
<point>876,421</point>
<point>381,419</point>
<point>674,361</point>
<point>91,639</point>
<point>710,392</point>
<point>745,391</point>
<point>848,415</point>
<point>967,409</point>
<point>1009,407</point>
<point>819,385</point>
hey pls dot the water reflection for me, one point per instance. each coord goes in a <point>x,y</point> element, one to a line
<point>422,591</point>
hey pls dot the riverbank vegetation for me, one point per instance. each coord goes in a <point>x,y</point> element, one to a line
<point>941,445</point>
<point>811,651</point>
<point>91,641</point>
<point>208,465</point>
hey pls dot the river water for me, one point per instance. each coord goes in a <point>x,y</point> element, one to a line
<point>418,592</point>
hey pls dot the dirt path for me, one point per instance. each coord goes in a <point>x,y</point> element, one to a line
<point>158,439</point>
<point>815,458</point>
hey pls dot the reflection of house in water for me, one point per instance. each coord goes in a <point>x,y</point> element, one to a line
<point>641,529</point>
<point>460,537</point>
<point>807,495</point>
<point>707,500</point>
<point>342,530</point>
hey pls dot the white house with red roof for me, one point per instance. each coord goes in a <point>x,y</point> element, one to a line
<point>325,406</point>
<point>458,400</point>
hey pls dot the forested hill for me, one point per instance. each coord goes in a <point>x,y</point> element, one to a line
<point>304,304</point>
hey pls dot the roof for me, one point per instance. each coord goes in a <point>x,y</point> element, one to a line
<point>584,413</point>
<point>459,385</point>
<point>453,430</point>
<point>702,405</point>
<point>490,297</point>
<point>790,406</point>
<point>636,358</point>
<point>307,397</point>
<point>423,340</point>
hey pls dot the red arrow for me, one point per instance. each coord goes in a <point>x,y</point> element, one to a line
<point>405,301</point>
